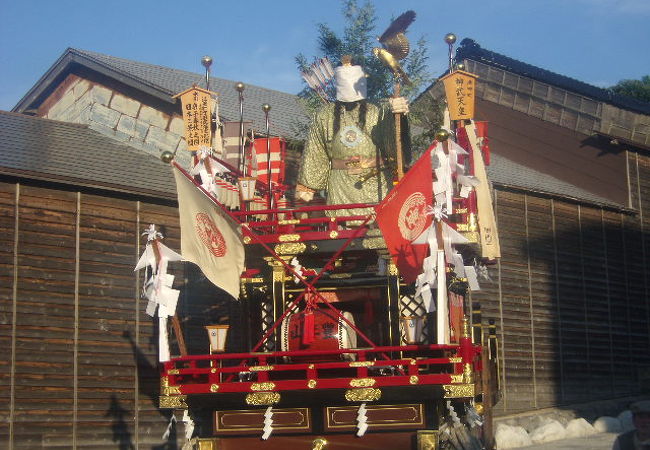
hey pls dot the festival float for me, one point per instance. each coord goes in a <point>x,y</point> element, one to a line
<point>360,313</point>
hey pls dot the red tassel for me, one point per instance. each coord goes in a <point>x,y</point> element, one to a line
<point>308,328</point>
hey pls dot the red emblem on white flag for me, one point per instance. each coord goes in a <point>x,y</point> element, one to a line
<point>210,235</point>
<point>402,217</point>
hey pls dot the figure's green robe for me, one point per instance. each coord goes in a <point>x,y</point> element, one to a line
<point>359,149</point>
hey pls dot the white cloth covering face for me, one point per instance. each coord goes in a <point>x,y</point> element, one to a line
<point>350,82</point>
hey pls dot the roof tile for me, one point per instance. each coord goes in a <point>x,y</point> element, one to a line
<point>76,154</point>
<point>286,114</point>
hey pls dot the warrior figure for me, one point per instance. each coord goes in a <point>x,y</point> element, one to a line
<point>350,149</point>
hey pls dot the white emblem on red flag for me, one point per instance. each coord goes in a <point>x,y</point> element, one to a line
<point>402,217</point>
<point>412,216</point>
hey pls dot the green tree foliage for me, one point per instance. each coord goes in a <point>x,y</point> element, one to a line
<point>639,89</point>
<point>357,39</point>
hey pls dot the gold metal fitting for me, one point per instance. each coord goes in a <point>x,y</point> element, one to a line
<point>468,374</point>
<point>450,38</point>
<point>166,157</point>
<point>466,332</point>
<point>318,444</point>
<point>206,61</point>
<point>442,135</point>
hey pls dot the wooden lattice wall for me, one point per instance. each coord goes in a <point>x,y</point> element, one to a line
<point>80,355</point>
<point>571,297</point>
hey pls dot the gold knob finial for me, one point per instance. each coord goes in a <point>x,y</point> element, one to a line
<point>266,107</point>
<point>442,135</point>
<point>450,38</point>
<point>166,157</point>
<point>206,61</point>
<point>460,66</point>
<point>239,86</point>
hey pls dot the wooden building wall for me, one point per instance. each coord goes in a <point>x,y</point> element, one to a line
<point>571,297</point>
<point>80,355</point>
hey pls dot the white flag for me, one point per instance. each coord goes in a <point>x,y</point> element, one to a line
<point>487,224</point>
<point>209,238</point>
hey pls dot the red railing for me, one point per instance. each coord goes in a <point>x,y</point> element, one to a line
<point>296,370</point>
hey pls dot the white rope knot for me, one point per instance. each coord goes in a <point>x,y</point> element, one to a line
<point>268,423</point>
<point>152,234</point>
<point>482,270</point>
<point>437,211</point>
<point>297,267</point>
<point>203,152</point>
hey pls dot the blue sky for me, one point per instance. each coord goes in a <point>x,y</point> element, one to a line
<point>596,41</point>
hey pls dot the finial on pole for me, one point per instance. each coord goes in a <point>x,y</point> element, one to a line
<point>239,87</point>
<point>450,39</point>
<point>442,135</point>
<point>266,108</point>
<point>166,157</point>
<point>206,62</point>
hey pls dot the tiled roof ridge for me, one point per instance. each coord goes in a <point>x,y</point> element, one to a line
<point>470,49</point>
<point>44,119</point>
<point>92,55</point>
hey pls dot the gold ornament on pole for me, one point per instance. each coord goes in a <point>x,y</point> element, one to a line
<point>166,157</point>
<point>442,135</point>
<point>396,47</point>
<point>450,39</point>
<point>266,108</point>
<point>239,87</point>
<point>206,62</point>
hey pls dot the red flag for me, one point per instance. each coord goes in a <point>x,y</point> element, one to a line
<point>402,217</point>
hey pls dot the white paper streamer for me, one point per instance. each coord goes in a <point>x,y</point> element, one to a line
<point>451,237</point>
<point>472,280</point>
<point>459,267</point>
<point>157,286</point>
<point>452,413</point>
<point>268,423</point>
<point>189,425</point>
<point>168,430</point>
<point>362,418</point>
<point>297,269</point>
